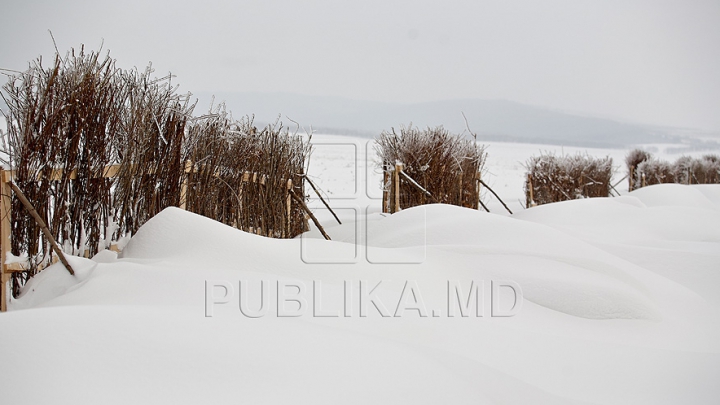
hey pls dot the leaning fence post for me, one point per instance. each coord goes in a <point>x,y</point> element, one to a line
<point>43,227</point>
<point>5,224</point>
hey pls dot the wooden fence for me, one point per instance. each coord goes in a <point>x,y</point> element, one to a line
<point>6,194</point>
<point>402,191</point>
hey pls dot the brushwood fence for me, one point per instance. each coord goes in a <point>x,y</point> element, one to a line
<point>430,166</point>
<point>97,151</point>
<point>252,181</point>
<point>645,170</point>
<point>552,179</point>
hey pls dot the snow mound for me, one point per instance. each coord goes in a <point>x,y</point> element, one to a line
<point>620,306</point>
<point>53,282</point>
<point>553,269</point>
<point>696,196</point>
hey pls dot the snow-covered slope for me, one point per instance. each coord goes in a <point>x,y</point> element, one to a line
<point>619,305</point>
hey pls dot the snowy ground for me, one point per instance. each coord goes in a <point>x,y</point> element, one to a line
<point>598,301</point>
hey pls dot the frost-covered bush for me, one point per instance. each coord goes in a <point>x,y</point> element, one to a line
<point>558,178</point>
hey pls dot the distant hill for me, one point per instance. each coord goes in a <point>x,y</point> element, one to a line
<point>492,120</point>
<point>497,120</point>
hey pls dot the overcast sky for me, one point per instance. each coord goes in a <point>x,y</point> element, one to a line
<point>648,61</point>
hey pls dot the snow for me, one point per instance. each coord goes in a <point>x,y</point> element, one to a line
<point>616,302</point>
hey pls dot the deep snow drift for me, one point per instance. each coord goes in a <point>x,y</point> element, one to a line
<point>619,305</point>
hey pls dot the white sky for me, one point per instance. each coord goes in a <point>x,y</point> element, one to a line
<point>650,61</point>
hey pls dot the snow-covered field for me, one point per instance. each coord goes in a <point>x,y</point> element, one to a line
<point>596,301</point>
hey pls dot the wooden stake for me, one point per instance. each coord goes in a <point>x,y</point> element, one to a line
<point>476,195</point>
<point>184,187</point>
<point>386,193</point>
<point>529,203</point>
<point>288,207</point>
<point>5,224</point>
<point>307,211</point>
<point>396,185</point>
<point>42,226</point>
<point>460,190</point>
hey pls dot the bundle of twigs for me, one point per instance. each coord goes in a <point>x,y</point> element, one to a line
<point>446,166</point>
<point>552,178</point>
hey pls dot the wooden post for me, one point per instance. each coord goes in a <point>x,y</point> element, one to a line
<point>386,193</point>
<point>476,192</point>
<point>631,179</point>
<point>5,224</point>
<point>396,185</point>
<point>288,207</point>
<point>530,202</point>
<point>184,187</point>
<point>643,179</point>
<point>460,190</point>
